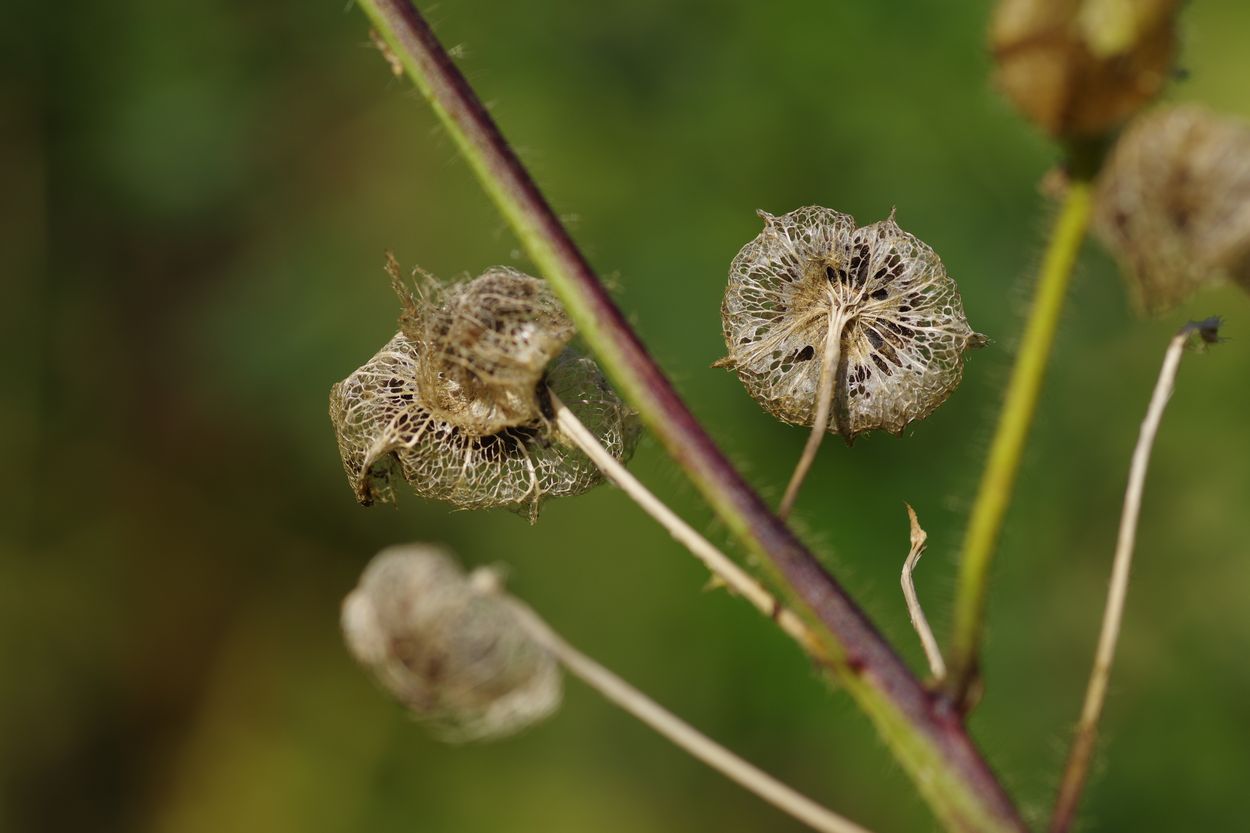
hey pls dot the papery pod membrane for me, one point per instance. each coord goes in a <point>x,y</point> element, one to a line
<point>905,331</point>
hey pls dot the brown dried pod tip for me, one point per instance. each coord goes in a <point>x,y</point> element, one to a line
<point>454,404</point>
<point>448,647</point>
<point>1080,68</point>
<point>1173,204</point>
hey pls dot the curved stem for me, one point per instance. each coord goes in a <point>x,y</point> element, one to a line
<point>928,739</point>
<point>918,620</point>
<point>824,407</point>
<point>633,701</point>
<point>720,565</point>
<point>1077,768</point>
<point>999,478</point>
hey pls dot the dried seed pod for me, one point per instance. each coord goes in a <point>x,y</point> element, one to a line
<point>896,313</point>
<point>1079,68</point>
<point>485,344</point>
<point>447,647</point>
<point>1173,204</point>
<point>385,429</point>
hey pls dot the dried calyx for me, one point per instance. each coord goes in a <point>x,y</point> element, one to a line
<point>812,276</point>
<point>448,647</point>
<point>1080,68</point>
<point>1173,204</point>
<point>408,412</point>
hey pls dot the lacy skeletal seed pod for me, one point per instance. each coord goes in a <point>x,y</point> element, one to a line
<point>1173,204</point>
<point>485,344</point>
<point>385,429</point>
<point>448,647</point>
<point>811,275</point>
<point>1079,68</point>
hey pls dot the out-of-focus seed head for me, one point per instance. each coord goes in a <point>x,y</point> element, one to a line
<point>1173,204</point>
<point>447,648</point>
<point>1080,68</point>
<point>905,332</point>
<point>485,345</point>
<point>386,431</point>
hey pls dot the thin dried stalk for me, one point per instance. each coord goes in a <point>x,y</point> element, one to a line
<point>918,621</point>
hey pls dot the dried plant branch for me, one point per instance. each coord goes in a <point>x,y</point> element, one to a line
<point>918,621</point>
<point>633,701</point>
<point>830,357</point>
<point>1003,465</point>
<point>930,741</point>
<point>1077,769</point>
<point>722,567</point>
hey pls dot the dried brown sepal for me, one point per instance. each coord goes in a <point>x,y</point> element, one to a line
<point>485,344</point>
<point>386,432</point>
<point>448,647</point>
<point>1080,68</point>
<point>904,334</point>
<point>1173,204</point>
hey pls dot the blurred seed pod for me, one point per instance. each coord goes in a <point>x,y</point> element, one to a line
<point>904,334</point>
<point>1080,68</point>
<point>447,647</point>
<point>485,344</point>
<point>1173,204</point>
<point>385,430</point>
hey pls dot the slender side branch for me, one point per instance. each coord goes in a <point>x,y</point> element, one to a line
<point>633,701</point>
<point>824,407</point>
<point>927,739</point>
<point>918,621</point>
<point>999,478</point>
<point>1077,769</point>
<point>720,565</point>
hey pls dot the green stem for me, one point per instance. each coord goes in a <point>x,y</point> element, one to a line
<point>927,737</point>
<point>1002,467</point>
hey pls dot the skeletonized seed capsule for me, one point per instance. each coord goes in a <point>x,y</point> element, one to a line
<point>485,344</point>
<point>811,276</point>
<point>1173,203</point>
<point>448,648</point>
<point>385,430</point>
<point>1080,68</point>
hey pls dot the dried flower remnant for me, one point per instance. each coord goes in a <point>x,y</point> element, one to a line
<point>448,647</point>
<point>1080,68</point>
<point>900,325</point>
<point>385,430</point>
<point>485,344</point>
<point>1173,204</point>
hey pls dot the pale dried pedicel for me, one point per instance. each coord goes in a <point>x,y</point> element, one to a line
<point>904,333</point>
<point>386,431</point>
<point>448,648</point>
<point>1173,204</point>
<point>485,344</point>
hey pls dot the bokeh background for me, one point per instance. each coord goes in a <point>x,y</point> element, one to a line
<point>197,201</point>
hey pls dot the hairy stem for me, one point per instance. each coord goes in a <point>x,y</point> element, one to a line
<point>926,737</point>
<point>999,478</point>
<point>824,406</point>
<point>633,701</point>
<point>722,567</point>
<point>1077,769</point>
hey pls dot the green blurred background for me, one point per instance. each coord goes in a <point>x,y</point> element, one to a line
<point>198,197</point>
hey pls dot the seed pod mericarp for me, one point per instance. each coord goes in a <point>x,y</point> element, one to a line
<point>485,344</point>
<point>1080,68</point>
<point>385,430</point>
<point>902,325</point>
<point>448,649</point>
<point>1173,204</point>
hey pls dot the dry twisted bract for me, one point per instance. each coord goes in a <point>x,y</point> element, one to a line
<point>485,343</point>
<point>447,646</point>
<point>904,333</point>
<point>1173,203</point>
<point>1079,68</point>
<point>385,430</point>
